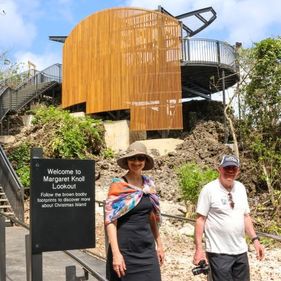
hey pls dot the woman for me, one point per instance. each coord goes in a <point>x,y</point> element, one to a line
<point>132,215</point>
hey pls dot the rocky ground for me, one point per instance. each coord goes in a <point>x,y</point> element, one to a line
<point>203,146</point>
<point>179,249</point>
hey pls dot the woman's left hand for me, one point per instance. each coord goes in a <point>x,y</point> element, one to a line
<point>160,254</point>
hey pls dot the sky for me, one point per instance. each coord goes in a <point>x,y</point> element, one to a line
<point>25,25</point>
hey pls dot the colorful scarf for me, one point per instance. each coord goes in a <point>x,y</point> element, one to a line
<point>123,197</point>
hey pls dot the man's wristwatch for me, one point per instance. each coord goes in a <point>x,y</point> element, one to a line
<point>255,238</point>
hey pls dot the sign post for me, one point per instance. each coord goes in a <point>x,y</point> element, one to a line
<point>62,211</point>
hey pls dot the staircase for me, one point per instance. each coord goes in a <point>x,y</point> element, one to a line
<point>11,189</point>
<point>28,93</point>
<point>41,82</point>
<point>5,206</point>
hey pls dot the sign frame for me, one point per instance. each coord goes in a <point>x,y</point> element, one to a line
<point>62,204</point>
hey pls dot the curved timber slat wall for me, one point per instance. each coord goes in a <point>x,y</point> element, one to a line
<point>126,58</point>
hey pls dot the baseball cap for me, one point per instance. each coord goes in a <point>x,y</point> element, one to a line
<point>230,160</point>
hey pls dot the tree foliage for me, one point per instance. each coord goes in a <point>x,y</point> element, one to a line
<point>261,126</point>
<point>11,73</point>
<point>191,180</point>
<point>61,135</point>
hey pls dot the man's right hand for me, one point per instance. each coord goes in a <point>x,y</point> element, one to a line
<point>198,256</point>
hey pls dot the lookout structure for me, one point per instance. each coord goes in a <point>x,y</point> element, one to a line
<point>144,62</point>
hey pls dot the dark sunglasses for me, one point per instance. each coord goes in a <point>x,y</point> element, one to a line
<point>137,158</point>
<point>230,168</point>
<point>230,200</point>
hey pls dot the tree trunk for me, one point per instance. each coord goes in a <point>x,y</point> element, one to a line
<point>269,185</point>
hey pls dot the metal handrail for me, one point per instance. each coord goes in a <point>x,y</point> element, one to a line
<point>11,185</point>
<point>3,90</point>
<point>207,51</point>
<point>86,267</point>
<point>82,264</point>
<point>34,79</point>
<point>51,73</point>
<point>21,76</point>
<point>262,234</point>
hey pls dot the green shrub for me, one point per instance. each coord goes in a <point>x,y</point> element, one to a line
<point>191,180</point>
<point>108,153</point>
<point>69,136</point>
<point>20,158</point>
<point>61,135</point>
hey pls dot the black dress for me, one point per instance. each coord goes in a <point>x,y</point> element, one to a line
<point>137,245</point>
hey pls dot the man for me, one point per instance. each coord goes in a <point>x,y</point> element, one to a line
<point>223,215</point>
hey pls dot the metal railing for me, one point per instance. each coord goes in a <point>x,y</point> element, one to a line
<point>70,275</point>
<point>17,78</point>
<point>51,73</point>
<point>14,99</point>
<point>205,51</point>
<point>11,186</point>
<point>261,234</point>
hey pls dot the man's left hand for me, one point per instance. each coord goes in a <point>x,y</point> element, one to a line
<point>260,251</point>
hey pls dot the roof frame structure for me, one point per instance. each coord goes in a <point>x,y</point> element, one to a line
<point>198,14</point>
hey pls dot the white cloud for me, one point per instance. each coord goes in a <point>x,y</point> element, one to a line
<point>15,29</point>
<point>246,21</point>
<point>41,61</point>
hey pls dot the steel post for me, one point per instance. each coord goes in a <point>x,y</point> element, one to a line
<point>70,274</point>
<point>28,257</point>
<point>2,249</point>
<point>223,98</point>
<point>34,263</point>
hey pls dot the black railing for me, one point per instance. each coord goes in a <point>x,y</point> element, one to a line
<point>84,265</point>
<point>11,186</point>
<point>205,51</point>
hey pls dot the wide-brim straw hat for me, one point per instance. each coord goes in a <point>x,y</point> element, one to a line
<point>136,148</point>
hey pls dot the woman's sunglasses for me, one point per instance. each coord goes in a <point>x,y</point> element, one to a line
<point>137,158</point>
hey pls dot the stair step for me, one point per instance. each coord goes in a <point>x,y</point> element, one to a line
<point>9,213</point>
<point>2,193</point>
<point>3,200</point>
<point>5,206</point>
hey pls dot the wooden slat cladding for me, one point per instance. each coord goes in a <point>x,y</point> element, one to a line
<point>126,58</point>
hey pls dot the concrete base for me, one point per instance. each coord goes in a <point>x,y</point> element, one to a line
<point>117,135</point>
<point>27,120</point>
<point>78,114</point>
<point>163,146</point>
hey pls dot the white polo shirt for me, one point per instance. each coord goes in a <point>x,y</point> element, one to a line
<point>224,227</point>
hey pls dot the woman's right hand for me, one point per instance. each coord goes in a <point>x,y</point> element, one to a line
<point>119,264</point>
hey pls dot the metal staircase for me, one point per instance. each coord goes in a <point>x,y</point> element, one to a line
<point>11,190</point>
<point>14,99</point>
<point>5,206</point>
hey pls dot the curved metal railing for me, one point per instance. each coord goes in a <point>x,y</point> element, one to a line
<point>210,52</point>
